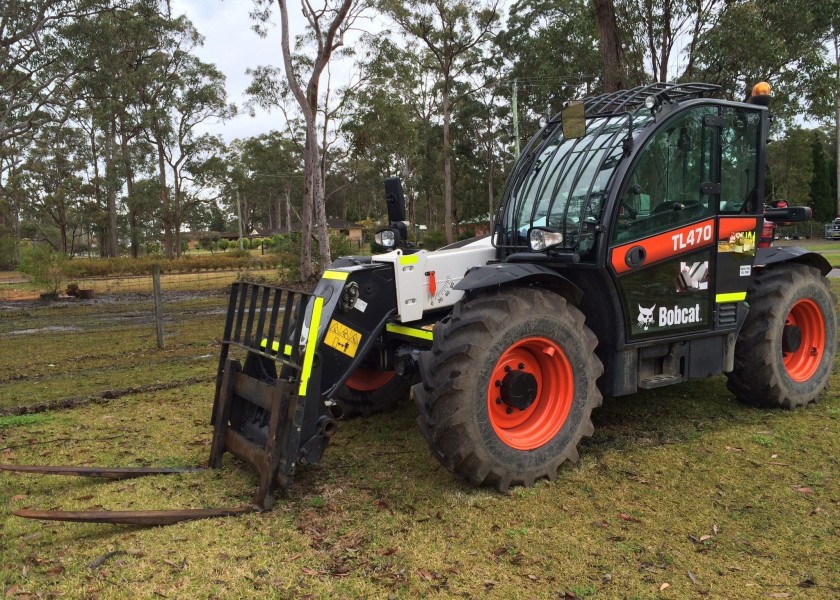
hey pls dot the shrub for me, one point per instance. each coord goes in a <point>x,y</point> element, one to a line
<point>45,266</point>
<point>339,246</point>
<point>433,239</point>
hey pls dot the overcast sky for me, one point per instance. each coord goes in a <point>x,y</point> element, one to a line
<point>233,47</point>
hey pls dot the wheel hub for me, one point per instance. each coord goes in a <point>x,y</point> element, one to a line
<point>791,339</point>
<point>519,389</point>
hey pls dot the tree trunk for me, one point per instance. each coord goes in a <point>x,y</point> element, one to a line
<point>97,189</point>
<point>109,243</point>
<point>176,210</point>
<point>113,233</point>
<point>447,167</point>
<point>412,215</point>
<point>490,194</point>
<point>288,194</point>
<point>310,167</point>
<point>164,201</point>
<point>611,53</point>
<point>320,206</point>
<point>665,49</point>
<point>129,183</point>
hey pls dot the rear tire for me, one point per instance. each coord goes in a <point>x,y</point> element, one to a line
<point>369,391</point>
<point>530,343</point>
<point>785,350</point>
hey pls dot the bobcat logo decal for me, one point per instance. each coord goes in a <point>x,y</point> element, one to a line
<point>645,319</point>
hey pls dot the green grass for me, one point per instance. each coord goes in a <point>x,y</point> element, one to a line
<point>679,486</point>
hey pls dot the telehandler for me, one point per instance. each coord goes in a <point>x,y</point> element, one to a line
<point>632,249</point>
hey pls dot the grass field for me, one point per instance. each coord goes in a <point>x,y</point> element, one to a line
<point>680,493</point>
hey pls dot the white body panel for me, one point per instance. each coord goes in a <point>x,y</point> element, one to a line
<point>449,267</point>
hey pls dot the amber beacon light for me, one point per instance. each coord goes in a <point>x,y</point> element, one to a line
<point>761,93</point>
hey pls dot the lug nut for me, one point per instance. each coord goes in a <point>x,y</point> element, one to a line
<point>509,410</point>
<point>498,383</point>
<point>498,400</point>
<point>507,369</point>
<point>521,366</point>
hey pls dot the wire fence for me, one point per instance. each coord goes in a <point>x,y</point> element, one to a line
<point>115,303</point>
<point>16,287</point>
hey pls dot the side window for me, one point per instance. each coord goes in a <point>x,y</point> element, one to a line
<point>739,161</point>
<point>664,187</point>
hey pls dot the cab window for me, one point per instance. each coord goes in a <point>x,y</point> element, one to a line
<point>665,186</point>
<point>739,161</point>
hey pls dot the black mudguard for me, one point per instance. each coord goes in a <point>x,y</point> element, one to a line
<point>769,256</point>
<point>504,274</point>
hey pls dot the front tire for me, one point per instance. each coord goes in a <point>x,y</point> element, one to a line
<point>508,388</point>
<point>785,350</point>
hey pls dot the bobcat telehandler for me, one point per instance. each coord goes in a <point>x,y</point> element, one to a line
<point>631,250</point>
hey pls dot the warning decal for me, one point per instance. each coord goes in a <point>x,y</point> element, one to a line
<point>342,338</point>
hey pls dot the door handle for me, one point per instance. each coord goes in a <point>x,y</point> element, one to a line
<point>635,257</point>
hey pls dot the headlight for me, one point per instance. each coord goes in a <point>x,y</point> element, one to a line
<point>543,238</point>
<point>386,238</point>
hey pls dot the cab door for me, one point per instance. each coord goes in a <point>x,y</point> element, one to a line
<point>740,208</point>
<point>664,233</point>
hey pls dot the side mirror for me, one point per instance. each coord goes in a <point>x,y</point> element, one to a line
<point>395,199</point>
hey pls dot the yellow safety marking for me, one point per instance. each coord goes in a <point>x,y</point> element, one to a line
<point>339,275</point>
<point>342,338</point>
<point>409,331</point>
<point>275,346</point>
<point>311,342</point>
<point>733,297</point>
<point>410,259</point>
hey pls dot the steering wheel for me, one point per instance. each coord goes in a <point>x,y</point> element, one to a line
<point>668,206</point>
<point>629,211</point>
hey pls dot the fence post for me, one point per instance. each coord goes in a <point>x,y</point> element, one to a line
<point>158,304</point>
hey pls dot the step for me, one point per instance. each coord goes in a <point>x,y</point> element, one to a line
<point>658,381</point>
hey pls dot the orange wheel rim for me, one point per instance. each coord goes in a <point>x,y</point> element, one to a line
<point>535,425</point>
<point>365,379</point>
<point>802,362</point>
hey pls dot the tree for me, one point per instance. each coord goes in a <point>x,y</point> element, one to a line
<point>821,193</point>
<point>791,167</point>
<point>453,31</point>
<point>54,185</point>
<point>779,42</point>
<point>327,27</point>
<point>612,55</point>
<point>36,70</point>
<point>199,96</point>
<point>566,32</point>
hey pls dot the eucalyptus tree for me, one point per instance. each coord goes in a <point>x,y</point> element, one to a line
<point>36,67</point>
<point>263,175</point>
<point>126,50</point>
<point>780,42</point>
<point>662,29</point>
<point>823,89</point>
<point>454,32</point>
<point>791,168</point>
<point>389,116</point>
<point>198,97</point>
<point>552,55</point>
<point>479,136</point>
<point>821,193</point>
<point>327,26</point>
<point>53,182</point>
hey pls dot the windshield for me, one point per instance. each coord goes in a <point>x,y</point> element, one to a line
<point>562,183</point>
